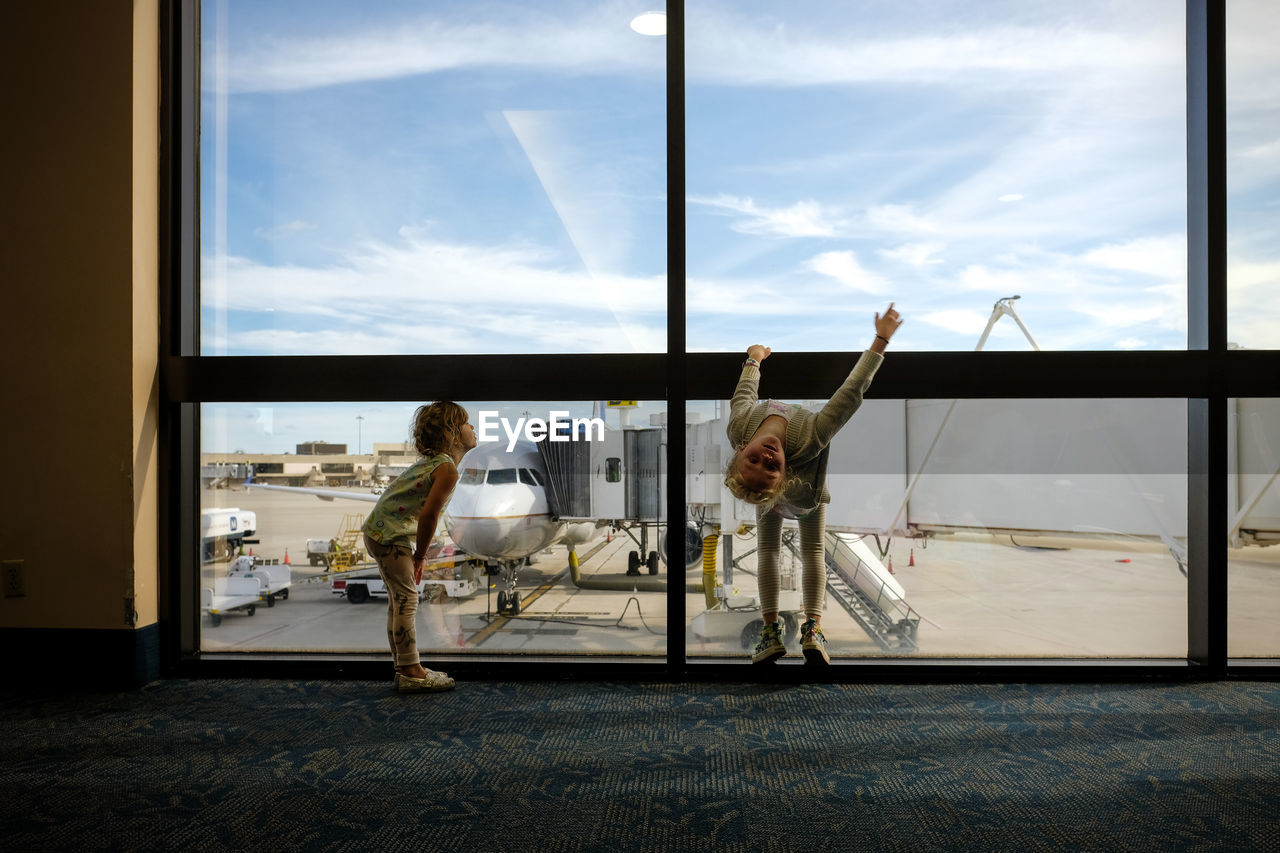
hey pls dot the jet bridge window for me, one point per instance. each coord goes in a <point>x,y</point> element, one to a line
<point>530,477</point>
<point>613,470</point>
<point>472,476</point>
<point>502,476</point>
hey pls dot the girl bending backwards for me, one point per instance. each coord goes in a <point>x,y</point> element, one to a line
<point>780,465</point>
<point>402,524</point>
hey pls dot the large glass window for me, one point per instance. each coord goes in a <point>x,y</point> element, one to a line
<point>538,552</point>
<point>445,177</point>
<point>421,183</point>
<point>1253,173</point>
<point>943,155</point>
<point>971,528</point>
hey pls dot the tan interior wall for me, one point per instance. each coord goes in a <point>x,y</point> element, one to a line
<point>71,270</point>
<point>146,309</point>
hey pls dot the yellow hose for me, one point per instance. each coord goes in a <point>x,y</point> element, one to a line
<point>709,544</point>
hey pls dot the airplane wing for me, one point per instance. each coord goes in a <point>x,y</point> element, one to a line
<point>322,494</point>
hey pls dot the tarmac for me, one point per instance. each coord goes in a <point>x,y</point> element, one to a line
<point>972,600</point>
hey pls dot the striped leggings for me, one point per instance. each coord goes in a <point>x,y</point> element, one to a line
<point>814,580</point>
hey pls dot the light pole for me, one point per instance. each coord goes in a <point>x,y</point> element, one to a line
<point>359,437</point>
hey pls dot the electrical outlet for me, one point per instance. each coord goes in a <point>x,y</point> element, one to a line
<point>14,583</point>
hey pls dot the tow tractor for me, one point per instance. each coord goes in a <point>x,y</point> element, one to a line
<point>363,582</point>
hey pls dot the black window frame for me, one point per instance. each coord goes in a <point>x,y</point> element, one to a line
<point>1207,375</point>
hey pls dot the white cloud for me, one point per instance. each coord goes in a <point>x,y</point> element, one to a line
<point>532,37</point>
<point>958,320</point>
<point>913,254</point>
<point>1266,151</point>
<point>1160,257</point>
<point>1006,282</point>
<point>733,47</point>
<point>802,219</point>
<point>1008,197</point>
<point>283,232</point>
<point>1243,275</point>
<point>494,295</point>
<point>1131,343</point>
<point>844,268</point>
<point>899,217</point>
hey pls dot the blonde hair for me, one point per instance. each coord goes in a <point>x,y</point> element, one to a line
<point>764,498</point>
<point>437,427</point>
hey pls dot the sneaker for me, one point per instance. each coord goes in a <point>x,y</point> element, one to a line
<point>435,682</point>
<point>770,647</point>
<point>813,643</point>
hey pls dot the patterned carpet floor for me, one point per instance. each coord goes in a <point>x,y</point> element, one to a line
<point>349,765</point>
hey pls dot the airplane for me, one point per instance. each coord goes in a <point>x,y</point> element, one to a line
<point>500,512</point>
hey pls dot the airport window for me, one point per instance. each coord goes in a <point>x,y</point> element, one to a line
<point>1253,174</point>
<point>967,528</point>
<point>284,555</point>
<point>942,155</point>
<point>524,221</point>
<point>495,172</point>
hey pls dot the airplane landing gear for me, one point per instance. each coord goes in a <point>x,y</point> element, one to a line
<point>508,597</point>
<point>508,603</point>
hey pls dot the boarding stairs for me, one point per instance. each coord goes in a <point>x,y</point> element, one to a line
<point>347,550</point>
<point>859,589</point>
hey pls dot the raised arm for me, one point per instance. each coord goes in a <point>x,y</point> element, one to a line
<point>747,392</point>
<point>848,397</point>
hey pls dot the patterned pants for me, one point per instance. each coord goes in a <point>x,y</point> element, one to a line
<point>813,583</point>
<point>396,567</point>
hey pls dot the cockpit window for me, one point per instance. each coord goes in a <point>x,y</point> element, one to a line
<point>501,476</point>
<point>530,477</point>
<point>471,476</point>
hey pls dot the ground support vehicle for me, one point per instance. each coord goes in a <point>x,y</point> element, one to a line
<point>364,581</point>
<point>230,594</point>
<point>275,578</point>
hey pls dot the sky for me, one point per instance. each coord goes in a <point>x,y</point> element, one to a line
<point>455,177</point>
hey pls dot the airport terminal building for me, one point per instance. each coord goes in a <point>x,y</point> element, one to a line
<point>313,464</point>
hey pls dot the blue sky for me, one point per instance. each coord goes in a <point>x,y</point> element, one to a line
<point>490,177</point>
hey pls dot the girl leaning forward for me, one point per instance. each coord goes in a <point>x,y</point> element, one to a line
<point>399,530</point>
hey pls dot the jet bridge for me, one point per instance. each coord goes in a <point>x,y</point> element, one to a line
<point>616,479</point>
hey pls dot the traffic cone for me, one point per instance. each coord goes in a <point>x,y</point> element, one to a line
<point>912,561</point>
<point>890,565</point>
<point>286,556</point>
<point>250,552</point>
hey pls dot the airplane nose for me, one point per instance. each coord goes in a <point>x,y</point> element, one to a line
<point>479,521</point>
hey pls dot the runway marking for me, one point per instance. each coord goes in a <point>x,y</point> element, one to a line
<point>479,637</point>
